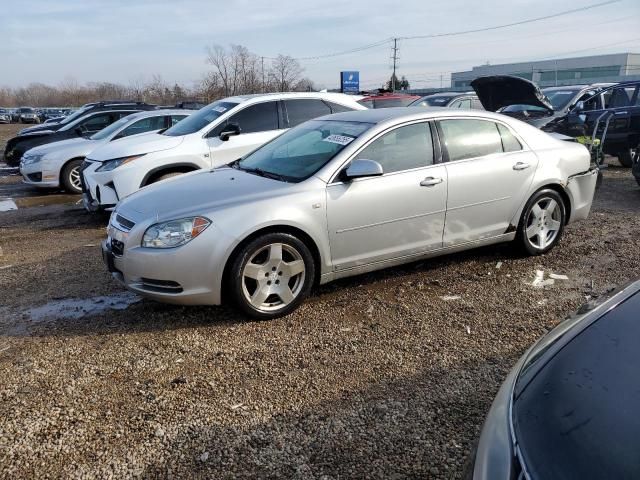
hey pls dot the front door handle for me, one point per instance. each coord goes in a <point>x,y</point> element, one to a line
<point>430,181</point>
<point>521,166</point>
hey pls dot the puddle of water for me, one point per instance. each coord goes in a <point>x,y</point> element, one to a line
<point>6,205</point>
<point>42,201</point>
<point>75,308</point>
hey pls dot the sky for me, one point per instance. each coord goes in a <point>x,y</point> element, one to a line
<point>129,41</point>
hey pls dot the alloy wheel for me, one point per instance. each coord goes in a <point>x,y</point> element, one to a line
<point>544,222</point>
<point>273,277</point>
<point>74,178</point>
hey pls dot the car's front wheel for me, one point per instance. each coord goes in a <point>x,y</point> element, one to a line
<point>272,275</point>
<point>625,157</point>
<point>71,176</point>
<point>542,222</point>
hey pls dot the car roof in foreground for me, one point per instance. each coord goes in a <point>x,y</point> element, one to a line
<point>382,115</point>
<point>286,95</point>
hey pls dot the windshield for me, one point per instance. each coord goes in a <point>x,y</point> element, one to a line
<point>77,114</point>
<point>303,150</point>
<point>27,110</point>
<point>107,131</point>
<point>200,119</point>
<point>560,98</point>
<point>432,101</point>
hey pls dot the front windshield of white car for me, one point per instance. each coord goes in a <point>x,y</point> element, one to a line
<point>111,129</point>
<point>303,150</point>
<point>200,119</point>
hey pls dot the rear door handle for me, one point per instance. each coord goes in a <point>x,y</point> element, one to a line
<point>521,166</point>
<point>430,181</point>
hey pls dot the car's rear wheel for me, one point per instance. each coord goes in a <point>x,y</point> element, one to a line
<point>272,275</point>
<point>71,176</point>
<point>625,157</point>
<point>542,222</point>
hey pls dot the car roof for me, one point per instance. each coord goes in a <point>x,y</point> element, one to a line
<point>159,113</point>
<point>287,95</point>
<point>389,96</point>
<point>381,115</point>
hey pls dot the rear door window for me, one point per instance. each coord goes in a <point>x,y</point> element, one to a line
<point>470,138</point>
<point>299,111</point>
<point>509,142</point>
<point>403,148</point>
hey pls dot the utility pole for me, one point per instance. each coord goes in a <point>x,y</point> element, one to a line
<point>395,62</point>
<point>262,61</point>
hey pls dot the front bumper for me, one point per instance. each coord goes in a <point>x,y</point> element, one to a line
<point>182,275</point>
<point>98,191</point>
<point>35,174</point>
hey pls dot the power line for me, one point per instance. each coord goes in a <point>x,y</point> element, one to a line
<point>451,34</point>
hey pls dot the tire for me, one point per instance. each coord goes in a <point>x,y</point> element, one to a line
<point>271,276</point>
<point>542,222</point>
<point>70,177</point>
<point>625,157</point>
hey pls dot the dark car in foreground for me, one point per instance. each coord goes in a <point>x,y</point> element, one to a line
<point>569,408</point>
<point>449,100</point>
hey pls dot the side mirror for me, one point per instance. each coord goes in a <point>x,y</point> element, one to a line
<point>363,168</point>
<point>230,130</point>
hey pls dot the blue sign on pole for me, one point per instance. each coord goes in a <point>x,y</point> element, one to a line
<point>350,82</point>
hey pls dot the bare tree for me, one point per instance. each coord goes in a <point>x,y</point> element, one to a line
<point>285,73</point>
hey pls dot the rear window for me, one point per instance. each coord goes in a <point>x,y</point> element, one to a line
<point>577,417</point>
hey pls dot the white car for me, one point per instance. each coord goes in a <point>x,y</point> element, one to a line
<point>215,135</point>
<point>58,164</point>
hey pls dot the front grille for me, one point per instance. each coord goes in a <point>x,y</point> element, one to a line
<point>117,247</point>
<point>160,286</point>
<point>35,177</point>
<point>124,222</point>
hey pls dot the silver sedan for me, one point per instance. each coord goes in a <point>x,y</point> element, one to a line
<point>345,194</point>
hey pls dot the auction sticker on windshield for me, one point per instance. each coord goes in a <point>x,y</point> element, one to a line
<point>339,139</point>
<point>219,109</point>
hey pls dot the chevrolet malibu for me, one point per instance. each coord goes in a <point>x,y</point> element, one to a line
<point>345,194</point>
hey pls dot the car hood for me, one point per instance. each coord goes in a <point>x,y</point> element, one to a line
<point>39,128</point>
<point>135,145</point>
<point>498,91</point>
<point>208,190</point>
<point>74,146</point>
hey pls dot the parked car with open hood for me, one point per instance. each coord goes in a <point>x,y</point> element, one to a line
<point>568,409</point>
<point>449,100</point>
<point>84,122</point>
<point>569,110</point>
<point>58,164</point>
<point>346,194</point>
<point>215,135</point>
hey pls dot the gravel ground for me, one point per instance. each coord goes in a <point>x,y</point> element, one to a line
<point>387,375</point>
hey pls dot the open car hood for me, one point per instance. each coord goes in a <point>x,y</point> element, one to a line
<point>498,91</point>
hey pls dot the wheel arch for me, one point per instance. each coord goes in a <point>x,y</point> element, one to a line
<point>556,186</point>
<point>278,228</point>
<point>155,173</point>
<point>64,165</point>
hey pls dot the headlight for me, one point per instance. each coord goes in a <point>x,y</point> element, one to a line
<point>116,162</point>
<point>174,232</point>
<point>31,159</point>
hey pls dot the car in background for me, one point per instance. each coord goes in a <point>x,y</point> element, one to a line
<point>388,100</point>
<point>342,195</point>
<point>560,109</point>
<point>28,115</point>
<point>51,114</point>
<point>83,123</point>
<point>568,408</point>
<point>58,164</point>
<point>68,116</point>
<point>220,133</point>
<point>450,100</point>
<point>191,105</point>
<point>5,115</point>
